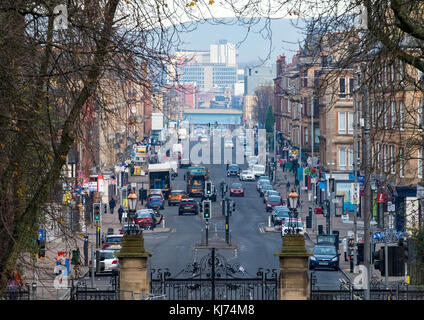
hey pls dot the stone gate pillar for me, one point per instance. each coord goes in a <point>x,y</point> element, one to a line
<point>133,277</point>
<point>294,280</point>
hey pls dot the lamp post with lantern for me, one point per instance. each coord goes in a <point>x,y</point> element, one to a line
<point>132,205</point>
<point>293,202</point>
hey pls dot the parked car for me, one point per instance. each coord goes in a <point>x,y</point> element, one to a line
<point>247,175</point>
<point>155,201</point>
<point>175,197</point>
<point>260,180</point>
<point>270,193</point>
<point>113,242</point>
<point>108,262</point>
<point>233,170</point>
<point>272,202</point>
<point>236,189</point>
<point>145,218</point>
<point>279,213</point>
<point>188,205</point>
<point>324,256</point>
<point>264,188</point>
<point>258,170</point>
<point>289,224</point>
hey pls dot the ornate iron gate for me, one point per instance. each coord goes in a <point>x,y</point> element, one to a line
<point>82,292</point>
<point>213,278</point>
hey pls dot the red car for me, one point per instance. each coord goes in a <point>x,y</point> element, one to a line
<point>273,201</point>
<point>236,190</point>
<point>145,218</point>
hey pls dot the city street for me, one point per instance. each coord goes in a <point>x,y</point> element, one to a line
<point>255,247</point>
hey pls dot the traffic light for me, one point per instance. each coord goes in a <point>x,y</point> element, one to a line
<point>207,210</point>
<point>41,249</point>
<point>208,187</point>
<point>97,211</point>
<point>378,261</point>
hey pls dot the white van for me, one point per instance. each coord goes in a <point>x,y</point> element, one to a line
<point>258,170</point>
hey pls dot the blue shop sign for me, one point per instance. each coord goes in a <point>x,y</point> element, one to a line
<point>41,234</point>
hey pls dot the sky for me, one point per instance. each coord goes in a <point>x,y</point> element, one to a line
<point>255,47</point>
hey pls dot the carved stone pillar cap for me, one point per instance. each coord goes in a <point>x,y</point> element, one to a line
<point>293,246</point>
<point>133,247</point>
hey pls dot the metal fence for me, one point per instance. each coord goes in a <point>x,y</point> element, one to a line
<point>81,291</point>
<point>23,293</point>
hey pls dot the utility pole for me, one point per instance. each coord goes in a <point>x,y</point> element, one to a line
<point>331,170</point>
<point>367,203</point>
<point>300,136</point>
<point>355,168</point>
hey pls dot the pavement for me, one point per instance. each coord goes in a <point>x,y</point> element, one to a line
<point>337,224</point>
<point>46,279</point>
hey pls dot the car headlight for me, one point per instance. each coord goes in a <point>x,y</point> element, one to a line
<point>334,259</point>
<point>313,258</point>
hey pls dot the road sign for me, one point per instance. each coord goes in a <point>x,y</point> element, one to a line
<point>381,197</point>
<point>355,193</point>
<point>41,233</point>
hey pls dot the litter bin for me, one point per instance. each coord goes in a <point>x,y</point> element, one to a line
<point>309,222</point>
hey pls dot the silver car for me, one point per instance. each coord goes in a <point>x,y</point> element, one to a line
<point>108,261</point>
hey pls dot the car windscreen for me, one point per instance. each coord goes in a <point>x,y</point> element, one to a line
<point>268,187</point>
<point>271,193</point>
<point>282,213</point>
<point>114,239</point>
<point>246,172</point>
<point>232,167</point>
<point>236,186</point>
<point>106,255</point>
<point>274,199</point>
<point>155,198</point>
<point>143,215</point>
<point>325,250</point>
<point>176,193</point>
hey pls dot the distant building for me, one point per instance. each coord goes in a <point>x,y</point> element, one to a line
<point>207,69</point>
<point>256,76</point>
<point>223,53</point>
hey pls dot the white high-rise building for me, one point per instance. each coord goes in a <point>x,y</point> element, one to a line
<point>223,53</point>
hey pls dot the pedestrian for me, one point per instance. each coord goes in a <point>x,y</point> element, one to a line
<point>120,212</point>
<point>112,204</point>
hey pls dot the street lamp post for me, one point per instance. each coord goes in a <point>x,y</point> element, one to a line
<point>293,202</point>
<point>132,204</point>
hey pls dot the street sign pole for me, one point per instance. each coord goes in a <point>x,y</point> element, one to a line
<point>207,231</point>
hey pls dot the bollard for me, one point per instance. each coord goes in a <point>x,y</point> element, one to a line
<point>351,265</point>
<point>269,221</point>
<point>163,223</point>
